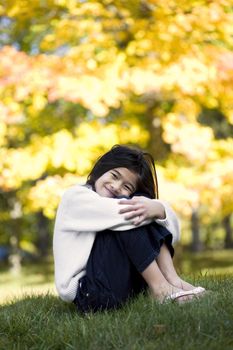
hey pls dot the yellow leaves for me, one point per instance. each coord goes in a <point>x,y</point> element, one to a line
<point>139,47</point>
<point>93,8</point>
<point>23,10</point>
<point>229,114</point>
<point>189,75</point>
<point>222,149</point>
<point>63,150</point>
<point>19,7</point>
<point>3,131</point>
<point>21,165</point>
<point>189,139</point>
<point>114,82</point>
<point>209,178</point>
<point>217,186</point>
<point>142,80</point>
<point>135,134</point>
<point>80,28</point>
<point>86,90</point>
<point>223,85</point>
<point>183,198</point>
<point>186,107</point>
<point>105,53</point>
<point>38,102</point>
<point>91,64</point>
<point>67,152</point>
<point>94,136</point>
<point>95,92</point>
<point>46,194</point>
<point>68,30</point>
<point>77,154</point>
<point>101,81</point>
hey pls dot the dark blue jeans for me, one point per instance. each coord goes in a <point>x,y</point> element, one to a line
<point>117,258</point>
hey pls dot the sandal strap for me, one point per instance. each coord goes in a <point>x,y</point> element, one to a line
<point>195,291</point>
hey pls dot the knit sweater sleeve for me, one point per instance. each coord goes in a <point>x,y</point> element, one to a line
<point>82,209</point>
<point>170,222</point>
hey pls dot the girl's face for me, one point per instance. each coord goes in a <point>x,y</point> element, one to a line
<point>116,182</point>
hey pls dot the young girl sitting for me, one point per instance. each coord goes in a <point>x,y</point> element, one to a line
<point>113,237</point>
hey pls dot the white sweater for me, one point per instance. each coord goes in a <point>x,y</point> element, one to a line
<point>81,214</point>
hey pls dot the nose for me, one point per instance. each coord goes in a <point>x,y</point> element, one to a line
<point>116,187</point>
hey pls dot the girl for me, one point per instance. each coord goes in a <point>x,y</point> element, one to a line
<point>113,237</point>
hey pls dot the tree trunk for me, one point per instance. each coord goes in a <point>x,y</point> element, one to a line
<point>228,241</point>
<point>15,258</point>
<point>196,245</point>
<point>156,145</point>
<point>16,228</point>
<point>43,240</point>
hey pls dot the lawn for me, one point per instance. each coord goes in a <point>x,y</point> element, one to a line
<point>45,322</point>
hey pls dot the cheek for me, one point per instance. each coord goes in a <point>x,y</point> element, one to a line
<point>100,182</point>
<point>97,185</point>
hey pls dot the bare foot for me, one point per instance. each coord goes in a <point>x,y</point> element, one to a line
<point>179,283</point>
<point>164,292</point>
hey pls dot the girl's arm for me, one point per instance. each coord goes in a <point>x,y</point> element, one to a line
<point>82,209</point>
<point>139,209</point>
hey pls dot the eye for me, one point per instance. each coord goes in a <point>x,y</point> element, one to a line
<point>114,175</point>
<point>128,188</point>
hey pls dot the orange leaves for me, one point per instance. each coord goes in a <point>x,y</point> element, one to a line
<point>22,75</point>
<point>14,65</point>
<point>225,65</point>
<point>38,77</point>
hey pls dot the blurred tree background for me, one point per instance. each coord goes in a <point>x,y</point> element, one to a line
<point>77,77</point>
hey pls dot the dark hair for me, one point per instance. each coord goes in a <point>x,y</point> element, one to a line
<point>140,162</point>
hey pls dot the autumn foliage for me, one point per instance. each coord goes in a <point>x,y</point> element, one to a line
<point>77,77</point>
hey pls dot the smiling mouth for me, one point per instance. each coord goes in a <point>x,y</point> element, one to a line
<point>110,192</point>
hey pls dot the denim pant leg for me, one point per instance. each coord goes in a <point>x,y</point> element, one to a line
<point>113,272</point>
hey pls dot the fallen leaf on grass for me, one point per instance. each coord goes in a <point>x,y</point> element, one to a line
<point>159,328</point>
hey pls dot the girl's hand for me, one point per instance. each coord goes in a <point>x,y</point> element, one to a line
<point>141,208</point>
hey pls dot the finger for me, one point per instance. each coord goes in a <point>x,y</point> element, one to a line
<point>138,220</point>
<point>136,223</point>
<point>137,197</point>
<point>133,215</point>
<point>129,209</point>
<point>127,201</point>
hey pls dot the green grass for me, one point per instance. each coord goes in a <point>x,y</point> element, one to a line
<point>45,322</point>
<point>32,319</point>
